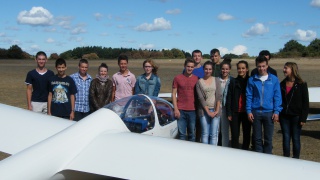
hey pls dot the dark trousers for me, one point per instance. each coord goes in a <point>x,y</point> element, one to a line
<point>79,115</point>
<point>237,119</point>
<point>291,129</point>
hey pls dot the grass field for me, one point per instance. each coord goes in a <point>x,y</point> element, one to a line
<point>13,89</point>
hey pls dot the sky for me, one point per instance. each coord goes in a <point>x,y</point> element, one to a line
<point>232,26</point>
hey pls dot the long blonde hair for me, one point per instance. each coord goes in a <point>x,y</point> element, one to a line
<point>295,71</point>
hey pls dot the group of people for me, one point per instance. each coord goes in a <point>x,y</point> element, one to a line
<point>207,100</point>
<point>76,96</point>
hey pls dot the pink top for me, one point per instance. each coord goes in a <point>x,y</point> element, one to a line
<point>288,89</point>
<point>185,91</point>
<point>124,84</point>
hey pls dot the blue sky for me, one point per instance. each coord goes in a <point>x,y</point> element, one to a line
<point>232,26</point>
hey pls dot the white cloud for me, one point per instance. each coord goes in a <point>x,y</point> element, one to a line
<point>225,17</point>
<point>78,30</point>
<point>50,40</point>
<point>64,21</point>
<point>315,3</point>
<point>303,35</point>
<point>158,25</point>
<point>2,34</point>
<point>173,11</point>
<point>98,16</point>
<point>76,39</point>
<point>290,23</point>
<point>257,29</point>
<point>35,17</point>
<point>146,46</point>
<point>237,50</point>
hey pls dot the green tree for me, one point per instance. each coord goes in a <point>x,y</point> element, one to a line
<point>314,48</point>
<point>293,49</point>
<point>15,52</point>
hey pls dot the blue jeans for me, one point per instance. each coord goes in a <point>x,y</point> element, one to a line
<point>263,120</point>
<point>186,125</point>
<point>209,128</point>
<point>224,129</point>
<point>291,128</point>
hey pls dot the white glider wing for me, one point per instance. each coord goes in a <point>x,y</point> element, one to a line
<point>20,128</point>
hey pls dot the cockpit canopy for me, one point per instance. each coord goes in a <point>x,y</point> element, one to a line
<point>141,113</point>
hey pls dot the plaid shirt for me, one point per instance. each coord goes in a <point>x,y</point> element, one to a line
<point>82,96</point>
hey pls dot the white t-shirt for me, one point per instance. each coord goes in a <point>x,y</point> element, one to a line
<point>263,78</point>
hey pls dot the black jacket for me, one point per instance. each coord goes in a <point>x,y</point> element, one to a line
<point>296,102</point>
<point>236,87</point>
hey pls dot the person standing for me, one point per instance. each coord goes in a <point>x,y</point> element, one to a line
<point>236,106</point>
<point>148,83</point>
<point>37,85</point>
<point>215,58</point>
<point>295,103</point>
<point>100,92</point>
<point>61,98</point>
<point>263,105</point>
<point>123,81</point>
<point>209,94</point>
<point>183,99</point>
<point>83,81</point>
<point>270,70</point>
<point>224,79</point>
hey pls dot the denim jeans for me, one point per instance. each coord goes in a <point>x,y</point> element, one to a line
<point>291,128</point>
<point>186,125</point>
<point>209,128</point>
<point>263,120</point>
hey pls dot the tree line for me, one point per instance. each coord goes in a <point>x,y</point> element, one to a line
<point>291,49</point>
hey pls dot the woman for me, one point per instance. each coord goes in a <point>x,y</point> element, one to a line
<point>209,94</point>
<point>148,83</point>
<point>236,106</point>
<point>100,92</point>
<point>295,103</point>
<point>225,81</point>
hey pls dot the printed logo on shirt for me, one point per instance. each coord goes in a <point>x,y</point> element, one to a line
<point>59,94</point>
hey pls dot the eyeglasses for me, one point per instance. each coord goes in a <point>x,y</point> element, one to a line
<point>147,66</point>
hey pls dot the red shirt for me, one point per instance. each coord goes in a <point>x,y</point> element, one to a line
<point>185,91</point>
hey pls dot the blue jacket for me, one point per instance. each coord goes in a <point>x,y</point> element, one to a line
<point>149,87</point>
<point>264,96</point>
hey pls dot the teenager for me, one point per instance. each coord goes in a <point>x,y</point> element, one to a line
<point>209,94</point>
<point>236,106</point>
<point>37,85</point>
<point>149,82</point>
<point>295,103</point>
<point>183,99</point>
<point>61,98</point>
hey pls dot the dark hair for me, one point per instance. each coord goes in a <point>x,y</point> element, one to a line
<point>261,59</point>
<point>209,62</point>
<point>189,60</point>
<point>213,51</point>
<point>265,53</point>
<point>153,64</point>
<point>226,61</point>
<point>196,51</point>
<point>246,64</point>
<point>83,61</point>
<point>41,53</point>
<point>60,61</point>
<point>103,65</point>
<point>122,57</point>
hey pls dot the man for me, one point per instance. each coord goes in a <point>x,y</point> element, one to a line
<point>215,58</point>
<point>263,104</point>
<point>82,80</point>
<point>198,69</point>
<point>61,97</point>
<point>183,98</point>
<point>123,81</point>
<point>266,54</point>
<point>37,85</point>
